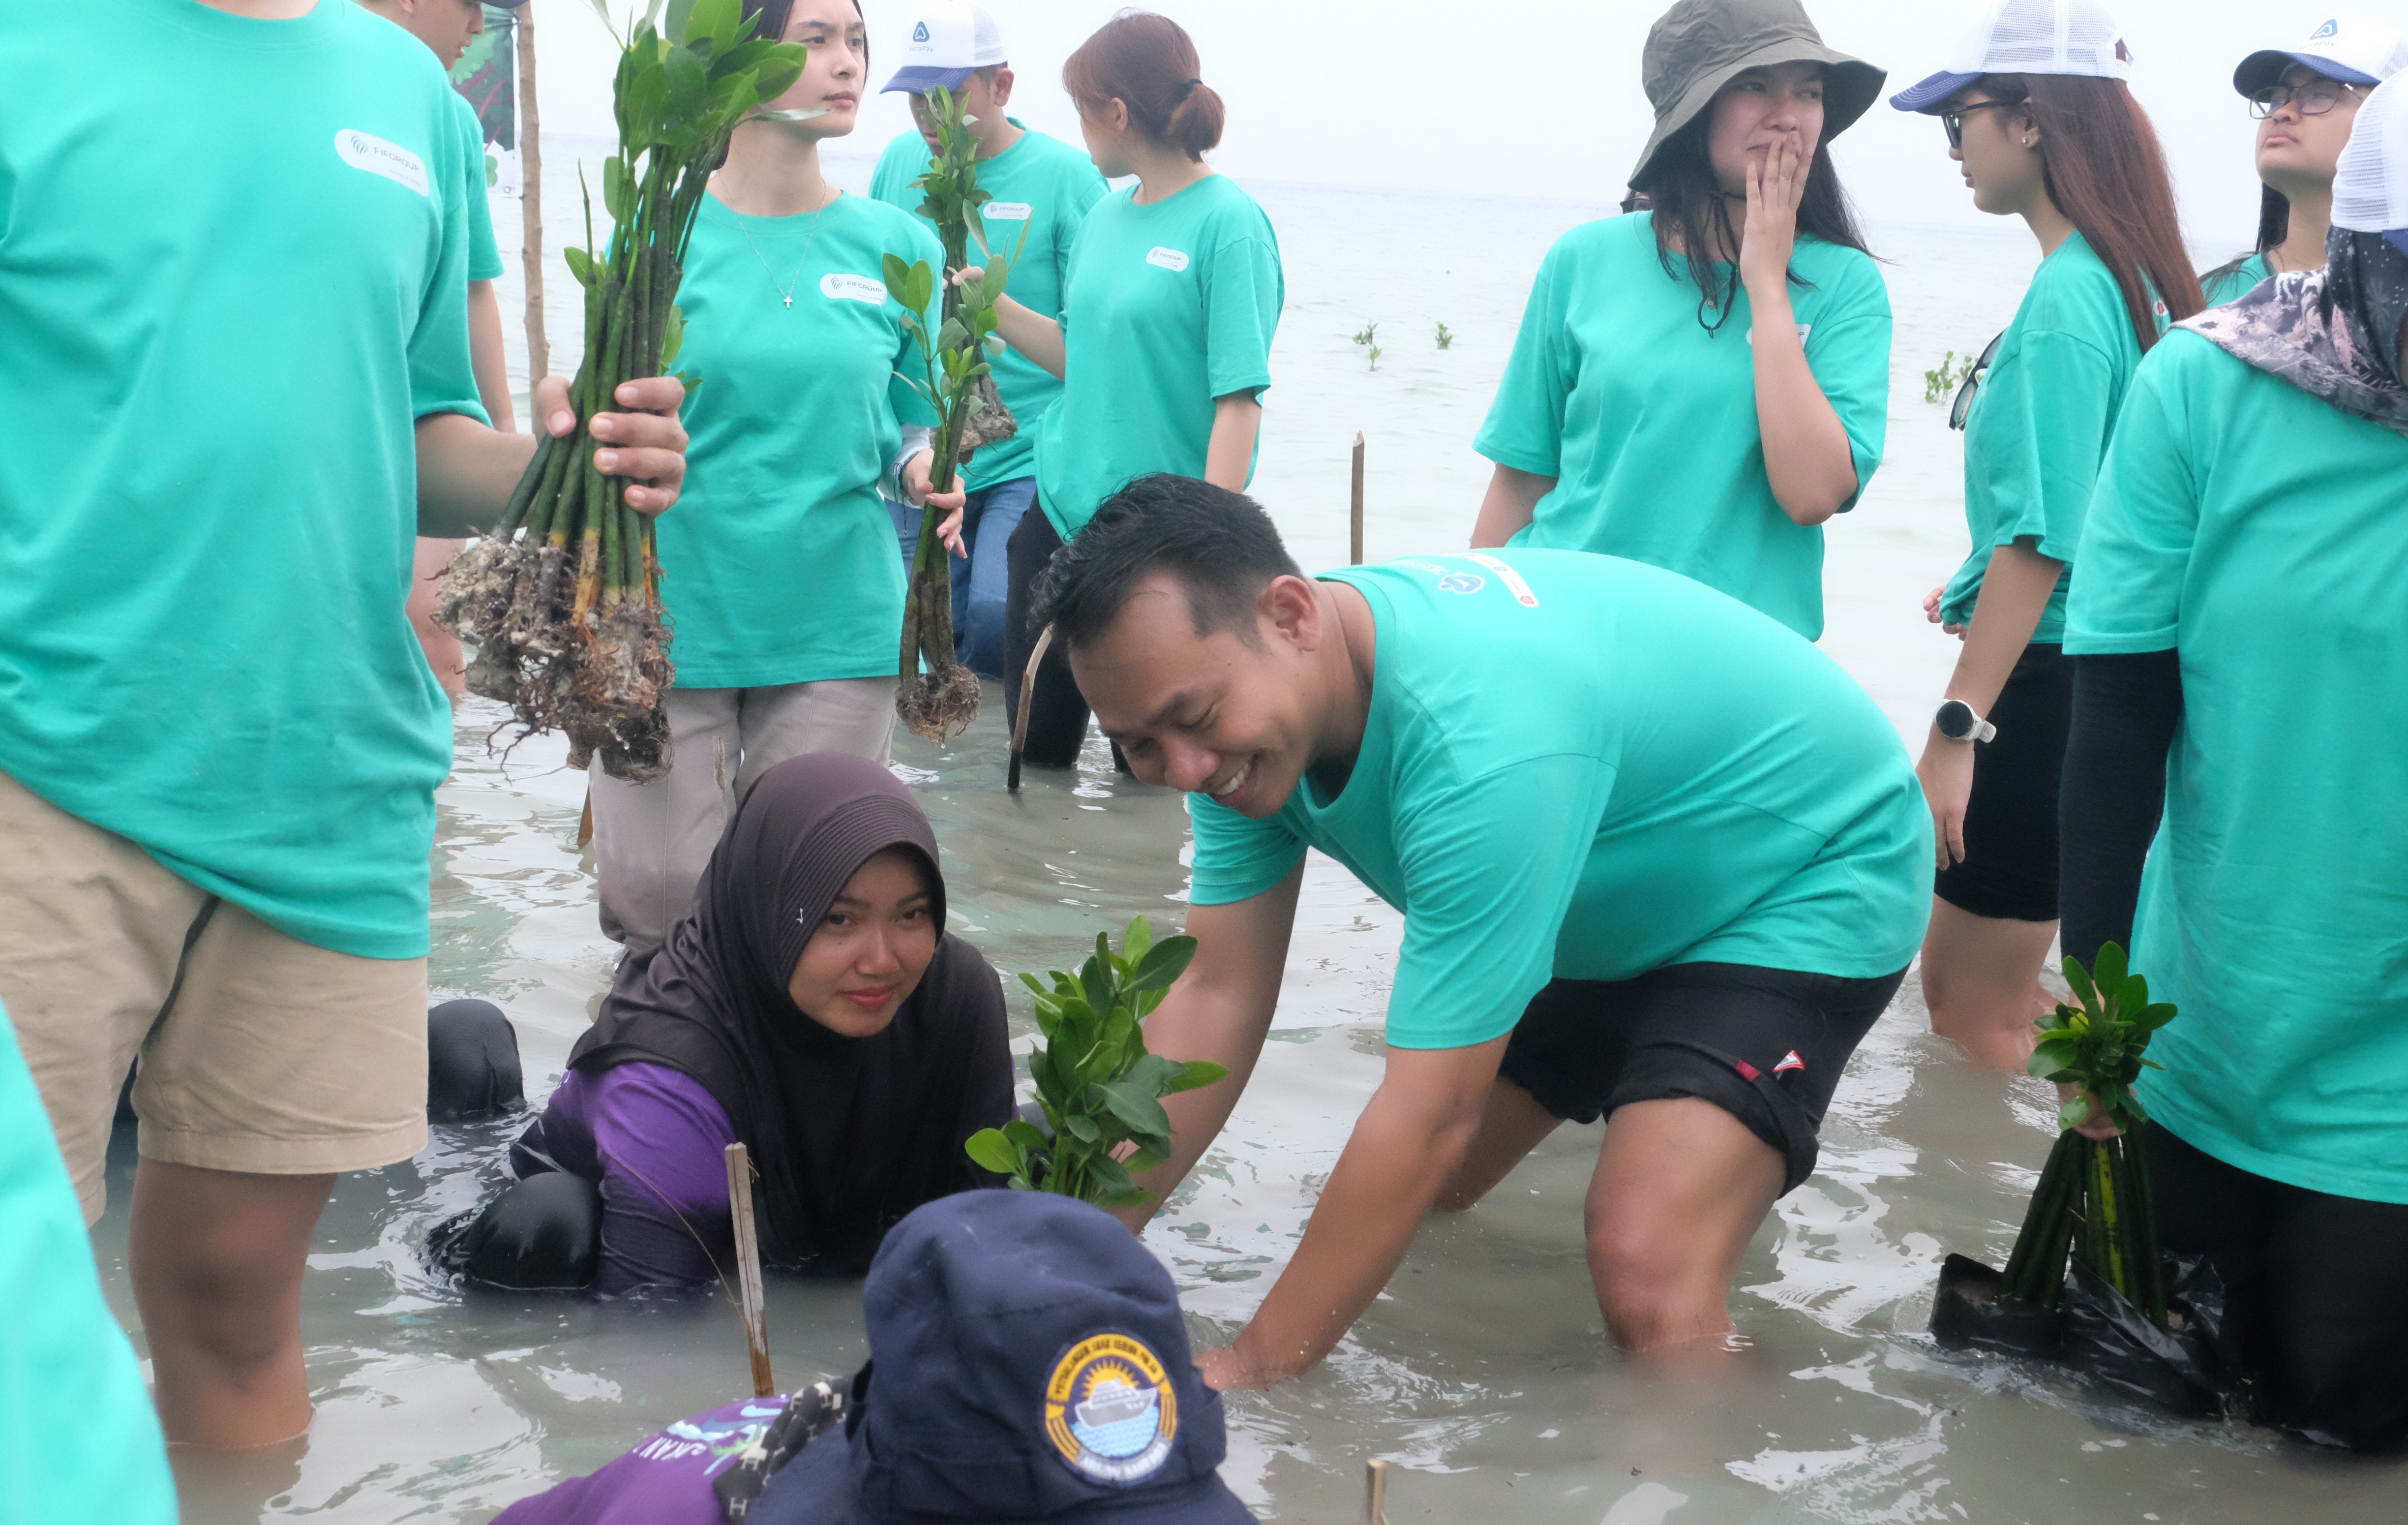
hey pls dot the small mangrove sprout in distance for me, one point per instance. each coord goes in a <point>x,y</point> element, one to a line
<point>1098,1085</point>
<point>1370,340</point>
<point>1944,379</point>
<point>1445,337</point>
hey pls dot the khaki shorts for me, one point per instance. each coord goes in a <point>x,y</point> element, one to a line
<point>260,1053</point>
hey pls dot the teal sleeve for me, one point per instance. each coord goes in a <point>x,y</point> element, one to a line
<point>1525,427</point>
<point>1490,867</point>
<point>442,379</point>
<point>1241,310</point>
<point>911,363</point>
<point>1081,189</point>
<point>1849,354</point>
<point>2058,405</point>
<point>484,254</point>
<point>1237,857</point>
<point>2143,521</point>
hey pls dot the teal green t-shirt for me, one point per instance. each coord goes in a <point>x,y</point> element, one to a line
<point>2243,278</point>
<point>778,564</point>
<point>1582,766</point>
<point>1647,419</point>
<point>2040,422</point>
<point>2257,531</point>
<point>233,275</point>
<point>484,254</point>
<point>1042,189</point>
<point>1169,307</point>
<point>78,1438</point>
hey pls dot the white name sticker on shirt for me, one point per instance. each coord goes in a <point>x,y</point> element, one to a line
<point>1511,579</point>
<point>1170,259</point>
<point>1005,211</point>
<point>1803,329</point>
<point>853,288</point>
<point>365,151</point>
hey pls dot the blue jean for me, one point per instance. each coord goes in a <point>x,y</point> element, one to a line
<point>982,579</point>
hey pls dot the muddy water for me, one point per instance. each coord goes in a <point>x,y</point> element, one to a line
<point>1483,1370</point>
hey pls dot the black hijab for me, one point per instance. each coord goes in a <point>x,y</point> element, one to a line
<point>848,1134</point>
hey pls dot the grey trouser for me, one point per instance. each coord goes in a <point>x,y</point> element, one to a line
<point>652,841</point>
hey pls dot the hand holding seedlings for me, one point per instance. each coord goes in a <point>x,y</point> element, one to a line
<point>645,443</point>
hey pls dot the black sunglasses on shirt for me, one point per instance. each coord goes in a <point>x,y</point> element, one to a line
<point>1972,383</point>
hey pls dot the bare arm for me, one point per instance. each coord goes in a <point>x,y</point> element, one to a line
<point>486,356</point>
<point>1219,1010</point>
<point>1512,496</point>
<point>466,471</point>
<point>1807,457</point>
<point>1032,333</point>
<point>2015,594</point>
<point>1229,457</point>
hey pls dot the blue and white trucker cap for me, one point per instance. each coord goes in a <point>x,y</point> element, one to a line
<point>2353,49</point>
<point>2371,185</point>
<point>947,44</point>
<point>2027,36</point>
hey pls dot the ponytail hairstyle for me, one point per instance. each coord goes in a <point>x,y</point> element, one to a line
<point>2100,162</point>
<point>1147,63</point>
<point>1692,216</point>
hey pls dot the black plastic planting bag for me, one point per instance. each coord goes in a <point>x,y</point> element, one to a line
<point>2186,1368</point>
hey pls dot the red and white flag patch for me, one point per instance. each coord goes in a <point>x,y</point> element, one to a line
<point>1790,1062</point>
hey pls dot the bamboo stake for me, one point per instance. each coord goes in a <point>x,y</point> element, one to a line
<point>531,205</point>
<point>1355,541</point>
<point>1020,722</point>
<point>748,1268</point>
<point>1375,1493</point>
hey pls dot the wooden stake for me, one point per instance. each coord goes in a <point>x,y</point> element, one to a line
<point>748,1268</point>
<point>1355,541</point>
<point>585,822</point>
<point>1375,1493</point>
<point>531,203</point>
<point>1020,721</point>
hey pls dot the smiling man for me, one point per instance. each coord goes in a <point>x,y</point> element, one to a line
<point>1660,860</point>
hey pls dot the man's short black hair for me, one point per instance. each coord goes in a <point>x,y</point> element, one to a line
<point>1220,545</point>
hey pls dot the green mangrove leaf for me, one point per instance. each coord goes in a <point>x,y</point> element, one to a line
<point>991,1151</point>
<point>1196,1073</point>
<point>1164,963</point>
<point>689,88</point>
<point>898,287</point>
<point>676,16</point>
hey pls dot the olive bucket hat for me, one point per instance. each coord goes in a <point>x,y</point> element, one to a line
<point>1700,46</point>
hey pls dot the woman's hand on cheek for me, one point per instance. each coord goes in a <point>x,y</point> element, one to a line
<point>1776,182</point>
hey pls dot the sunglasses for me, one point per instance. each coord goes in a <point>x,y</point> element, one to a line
<point>1972,383</point>
<point>2314,99</point>
<point>1953,119</point>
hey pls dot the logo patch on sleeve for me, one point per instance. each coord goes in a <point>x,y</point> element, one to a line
<point>1111,1411</point>
<point>366,150</point>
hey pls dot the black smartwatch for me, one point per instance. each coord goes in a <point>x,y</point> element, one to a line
<point>1957,722</point>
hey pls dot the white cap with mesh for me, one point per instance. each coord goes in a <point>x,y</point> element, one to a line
<point>2027,36</point>
<point>2370,187</point>
<point>947,44</point>
<point>2353,49</point>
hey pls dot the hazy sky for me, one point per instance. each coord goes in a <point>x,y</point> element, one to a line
<point>1539,97</point>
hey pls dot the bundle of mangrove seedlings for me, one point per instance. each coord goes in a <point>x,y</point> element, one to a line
<point>937,697</point>
<point>1098,1085</point>
<point>2093,1206</point>
<point>563,597</point>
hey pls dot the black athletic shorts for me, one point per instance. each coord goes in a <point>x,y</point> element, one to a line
<point>1766,1045</point>
<point>2010,868</point>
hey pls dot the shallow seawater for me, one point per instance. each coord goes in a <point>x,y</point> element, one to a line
<point>1483,1372</point>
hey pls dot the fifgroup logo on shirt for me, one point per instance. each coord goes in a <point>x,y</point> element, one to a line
<point>837,287</point>
<point>1170,259</point>
<point>1005,211</point>
<point>1111,1411</point>
<point>365,151</point>
<point>1462,582</point>
<point>1511,579</point>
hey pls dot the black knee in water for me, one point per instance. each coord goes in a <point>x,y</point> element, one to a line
<point>472,1063</point>
<point>541,1234</point>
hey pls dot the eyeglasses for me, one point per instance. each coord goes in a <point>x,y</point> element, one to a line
<point>1972,383</point>
<point>1953,119</point>
<point>2314,99</point>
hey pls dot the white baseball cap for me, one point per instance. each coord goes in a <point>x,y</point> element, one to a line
<point>947,43</point>
<point>2370,186</point>
<point>2028,36</point>
<point>2353,49</point>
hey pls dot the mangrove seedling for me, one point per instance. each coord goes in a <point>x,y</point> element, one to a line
<point>1098,1085</point>
<point>562,595</point>
<point>2093,1201</point>
<point>1370,340</point>
<point>1943,380</point>
<point>1445,338</point>
<point>937,697</point>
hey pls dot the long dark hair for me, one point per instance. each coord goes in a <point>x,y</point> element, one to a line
<point>1692,215</point>
<point>2100,162</point>
<point>1149,64</point>
<point>2273,226</point>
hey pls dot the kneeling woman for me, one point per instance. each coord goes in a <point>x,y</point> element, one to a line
<point>812,1007</point>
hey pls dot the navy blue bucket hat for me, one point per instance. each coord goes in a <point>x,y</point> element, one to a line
<point>1028,1363</point>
